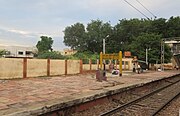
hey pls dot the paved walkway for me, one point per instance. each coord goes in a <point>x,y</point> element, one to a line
<point>26,94</point>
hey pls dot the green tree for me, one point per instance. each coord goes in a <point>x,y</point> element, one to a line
<point>126,30</point>
<point>159,26</point>
<point>75,37</point>
<point>96,32</point>
<point>45,44</point>
<point>173,27</point>
<point>121,35</point>
<point>152,42</point>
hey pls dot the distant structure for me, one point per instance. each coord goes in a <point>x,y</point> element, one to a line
<point>68,51</point>
<point>174,45</point>
<point>18,51</point>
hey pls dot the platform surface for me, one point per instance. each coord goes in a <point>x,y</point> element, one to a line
<point>33,96</point>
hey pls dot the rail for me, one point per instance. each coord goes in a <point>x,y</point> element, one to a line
<point>112,111</point>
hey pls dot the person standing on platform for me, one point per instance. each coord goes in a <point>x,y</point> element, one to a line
<point>134,68</point>
<point>138,68</point>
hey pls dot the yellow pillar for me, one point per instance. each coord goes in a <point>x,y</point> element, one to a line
<point>120,63</point>
<point>101,58</point>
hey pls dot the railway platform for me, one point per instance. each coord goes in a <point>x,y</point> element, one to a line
<point>36,96</point>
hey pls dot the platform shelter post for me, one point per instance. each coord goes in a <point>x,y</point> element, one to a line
<point>120,63</point>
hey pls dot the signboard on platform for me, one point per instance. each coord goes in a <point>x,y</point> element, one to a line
<point>112,57</point>
<point>127,54</point>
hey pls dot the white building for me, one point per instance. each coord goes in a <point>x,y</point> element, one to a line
<point>18,51</point>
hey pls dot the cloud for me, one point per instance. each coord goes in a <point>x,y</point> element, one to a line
<point>24,38</point>
<point>18,31</point>
<point>24,21</point>
<point>17,37</point>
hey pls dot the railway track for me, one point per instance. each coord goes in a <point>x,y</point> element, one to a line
<point>149,104</point>
<point>143,100</point>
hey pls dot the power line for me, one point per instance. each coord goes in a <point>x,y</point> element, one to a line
<point>146,8</point>
<point>137,9</point>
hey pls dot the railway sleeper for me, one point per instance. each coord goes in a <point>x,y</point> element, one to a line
<point>133,108</point>
<point>138,95</point>
<point>140,105</point>
<point>118,101</point>
<point>126,112</point>
<point>168,81</point>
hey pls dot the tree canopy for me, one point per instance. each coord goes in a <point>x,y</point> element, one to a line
<point>125,35</point>
<point>45,44</point>
<point>151,42</point>
<point>75,36</point>
<point>89,39</point>
<point>45,50</point>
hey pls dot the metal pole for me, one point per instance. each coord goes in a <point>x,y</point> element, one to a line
<point>104,49</point>
<point>103,46</point>
<point>146,56</point>
<point>101,54</point>
<point>162,55</point>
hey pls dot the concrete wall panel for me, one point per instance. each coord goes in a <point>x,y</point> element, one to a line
<point>86,67</point>
<point>94,67</point>
<point>36,67</point>
<point>11,68</point>
<point>73,66</point>
<point>57,67</point>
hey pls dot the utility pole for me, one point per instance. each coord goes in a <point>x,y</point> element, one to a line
<point>146,56</point>
<point>103,46</point>
<point>162,54</point>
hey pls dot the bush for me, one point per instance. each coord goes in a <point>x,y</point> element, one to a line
<point>86,55</point>
<point>2,52</point>
<point>85,61</point>
<point>51,55</point>
<point>94,61</point>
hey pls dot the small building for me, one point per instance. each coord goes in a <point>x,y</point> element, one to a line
<point>174,45</point>
<point>175,49</point>
<point>18,51</point>
<point>67,52</point>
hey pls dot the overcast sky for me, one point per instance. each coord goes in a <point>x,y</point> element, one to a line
<point>22,22</point>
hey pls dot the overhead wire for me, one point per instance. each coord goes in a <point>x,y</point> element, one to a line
<point>146,9</point>
<point>137,9</point>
